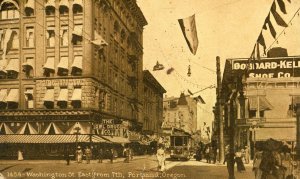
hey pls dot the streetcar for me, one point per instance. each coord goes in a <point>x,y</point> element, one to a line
<point>180,147</point>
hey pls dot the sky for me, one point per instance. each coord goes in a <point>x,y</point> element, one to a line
<point>225,28</point>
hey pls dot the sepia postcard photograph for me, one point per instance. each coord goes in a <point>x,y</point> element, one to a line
<point>149,89</point>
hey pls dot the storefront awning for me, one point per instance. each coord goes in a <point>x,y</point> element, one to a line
<point>43,139</point>
<point>29,4</point>
<point>259,102</point>
<point>98,139</point>
<point>63,63</point>
<point>13,65</point>
<point>114,139</point>
<point>64,3</point>
<point>49,63</point>
<point>28,63</point>
<point>77,2</point>
<point>3,95</point>
<point>63,95</point>
<point>77,30</point>
<point>282,134</point>
<point>49,96</point>
<point>13,96</point>
<point>50,3</point>
<point>76,94</point>
<point>77,62</point>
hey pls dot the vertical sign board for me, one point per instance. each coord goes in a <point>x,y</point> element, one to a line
<point>283,67</point>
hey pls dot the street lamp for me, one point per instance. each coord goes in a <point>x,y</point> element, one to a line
<point>253,128</point>
<point>77,132</point>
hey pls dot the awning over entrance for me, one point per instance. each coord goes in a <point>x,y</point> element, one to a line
<point>119,140</point>
<point>48,139</point>
<point>259,102</point>
<point>282,134</point>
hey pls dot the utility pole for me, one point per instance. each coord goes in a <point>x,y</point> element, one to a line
<point>219,110</point>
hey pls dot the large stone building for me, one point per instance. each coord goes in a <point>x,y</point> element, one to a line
<point>261,101</point>
<point>153,105</point>
<point>69,67</point>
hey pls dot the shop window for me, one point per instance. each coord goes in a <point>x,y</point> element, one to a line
<point>29,37</point>
<point>29,101</point>
<point>9,10</point>
<point>50,37</point>
<point>64,36</point>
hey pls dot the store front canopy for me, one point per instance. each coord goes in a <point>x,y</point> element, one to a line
<point>281,134</point>
<point>259,103</point>
<point>48,139</point>
<point>114,139</point>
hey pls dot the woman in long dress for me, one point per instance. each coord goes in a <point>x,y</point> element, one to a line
<point>161,156</point>
<point>79,155</point>
<point>239,161</point>
<point>20,155</point>
<point>256,163</point>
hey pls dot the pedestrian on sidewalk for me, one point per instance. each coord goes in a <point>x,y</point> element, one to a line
<point>256,163</point>
<point>239,161</point>
<point>67,155</point>
<point>20,155</point>
<point>100,155</point>
<point>247,155</point>
<point>126,154</point>
<point>161,157</point>
<point>88,155</point>
<point>111,155</point>
<point>79,154</point>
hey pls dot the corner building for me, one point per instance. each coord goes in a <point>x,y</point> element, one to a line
<point>70,73</point>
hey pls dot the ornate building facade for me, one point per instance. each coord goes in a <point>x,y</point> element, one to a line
<point>69,67</point>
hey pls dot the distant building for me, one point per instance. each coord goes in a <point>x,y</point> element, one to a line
<point>181,113</point>
<point>153,105</point>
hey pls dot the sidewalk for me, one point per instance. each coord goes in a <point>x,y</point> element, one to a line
<point>117,160</point>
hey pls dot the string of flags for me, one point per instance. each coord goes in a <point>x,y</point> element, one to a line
<point>269,26</point>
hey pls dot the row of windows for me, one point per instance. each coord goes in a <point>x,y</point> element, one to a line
<point>10,8</point>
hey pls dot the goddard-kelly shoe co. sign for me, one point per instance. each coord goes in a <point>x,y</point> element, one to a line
<point>283,67</point>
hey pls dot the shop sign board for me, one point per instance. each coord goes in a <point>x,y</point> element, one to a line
<point>284,67</point>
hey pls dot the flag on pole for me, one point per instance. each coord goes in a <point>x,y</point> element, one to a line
<point>271,27</point>
<point>188,27</point>
<point>281,6</point>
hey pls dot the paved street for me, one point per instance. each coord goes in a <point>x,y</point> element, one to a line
<point>140,167</point>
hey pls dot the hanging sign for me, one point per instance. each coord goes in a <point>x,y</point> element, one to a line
<point>269,67</point>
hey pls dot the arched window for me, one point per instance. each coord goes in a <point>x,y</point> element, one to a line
<point>9,9</point>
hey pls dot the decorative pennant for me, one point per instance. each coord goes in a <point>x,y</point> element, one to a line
<point>271,27</point>
<point>277,17</point>
<point>281,6</point>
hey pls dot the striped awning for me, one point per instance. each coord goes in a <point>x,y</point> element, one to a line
<point>48,139</point>
<point>114,139</point>
<point>32,139</point>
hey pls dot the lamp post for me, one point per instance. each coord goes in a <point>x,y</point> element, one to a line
<point>253,128</point>
<point>77,132</point>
